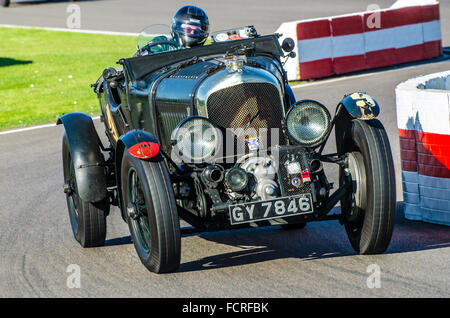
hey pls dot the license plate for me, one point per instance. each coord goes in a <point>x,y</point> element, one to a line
<point>270,209</point>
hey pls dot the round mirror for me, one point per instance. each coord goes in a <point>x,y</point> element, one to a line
<point>288,45</point>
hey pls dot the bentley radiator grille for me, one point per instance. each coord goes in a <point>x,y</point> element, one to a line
<point>251,109</point>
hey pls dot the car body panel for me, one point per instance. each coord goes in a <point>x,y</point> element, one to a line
<point>86,155</point>
<point>234,84</point>
<point>361,106</point>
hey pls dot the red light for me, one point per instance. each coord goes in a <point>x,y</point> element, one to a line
<point>306,178</point>
<point>234,37</point>
<point>144,150</point>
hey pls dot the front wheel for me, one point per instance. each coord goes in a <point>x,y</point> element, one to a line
<point>369,210</point>
<point>151,212</point>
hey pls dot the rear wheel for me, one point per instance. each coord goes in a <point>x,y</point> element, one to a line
<point>4,3</point>
<point>88,220</point>
<point>151,211</point>
<point>369,209</point>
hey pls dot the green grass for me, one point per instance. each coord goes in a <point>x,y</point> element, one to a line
<point>46,73</point>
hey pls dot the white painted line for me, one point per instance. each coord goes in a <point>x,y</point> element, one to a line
<point>25,129</point>
<point>315,49</point>
<point>68,30</point>
<point>348,45</point>
<point>322,82</point>
<point>432,31</point>
<point>7,132</point>
<point>408,35</point>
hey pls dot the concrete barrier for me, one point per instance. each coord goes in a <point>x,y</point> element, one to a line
<point>408,31</point>
<point>423,108</point>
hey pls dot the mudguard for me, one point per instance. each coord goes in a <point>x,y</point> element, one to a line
<point>135,138</point>
<point>361,106</point>
<point>128,142</point>
<point>87,158</point>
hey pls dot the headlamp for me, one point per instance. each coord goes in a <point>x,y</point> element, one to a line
<point>196,139</point>
<point>308,123</point>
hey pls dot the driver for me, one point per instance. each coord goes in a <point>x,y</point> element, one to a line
<point>190,26</point>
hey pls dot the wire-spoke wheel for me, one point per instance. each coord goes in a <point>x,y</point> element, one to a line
<point>137,211</point>
<point>151,213</point>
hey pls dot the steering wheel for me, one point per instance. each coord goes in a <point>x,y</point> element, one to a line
<point>150,45</point>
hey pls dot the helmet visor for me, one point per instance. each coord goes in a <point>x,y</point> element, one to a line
<point>190,29</point>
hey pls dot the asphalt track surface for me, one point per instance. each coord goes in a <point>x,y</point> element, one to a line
<point>37,246</point>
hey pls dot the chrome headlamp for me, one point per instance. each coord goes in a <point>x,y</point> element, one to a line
<point>308,123</point>
<point>196,139</point>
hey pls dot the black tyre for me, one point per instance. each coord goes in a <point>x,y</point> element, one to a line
<point>293,226</point>
<point>88,220</point>
<point>151,213</point>
<point>4,3</point>
<point>370,209</point>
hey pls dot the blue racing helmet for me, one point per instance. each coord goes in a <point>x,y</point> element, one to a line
<point>190,26</point>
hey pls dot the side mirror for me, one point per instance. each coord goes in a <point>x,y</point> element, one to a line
<point>288,45</point>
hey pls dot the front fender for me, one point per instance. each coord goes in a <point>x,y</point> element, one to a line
<point>361,106</point>
<point>87,158</point>
<point>136,137</point>
<point>125,143</point>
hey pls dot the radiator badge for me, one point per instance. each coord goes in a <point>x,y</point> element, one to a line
<point>253,144</point>
<point>235,63</point>
<point>296,182</point>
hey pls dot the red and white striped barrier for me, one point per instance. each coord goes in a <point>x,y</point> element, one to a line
<point>423,109</point>
<point>365,40</point>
